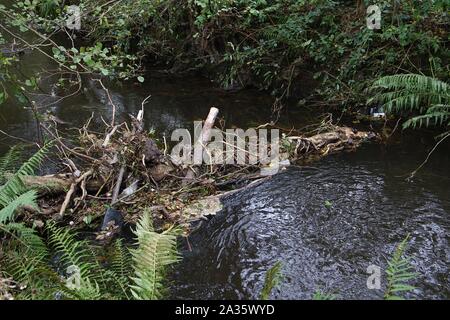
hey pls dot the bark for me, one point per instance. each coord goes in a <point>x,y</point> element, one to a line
<point>56,183</point>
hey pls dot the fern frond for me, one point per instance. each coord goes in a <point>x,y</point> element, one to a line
<point>73,252</point>
<point>120,262</point>
<point>37,279</point>
<point>26,261</point>
<point>119,272</point>
<point>435,118</point>
<point>8,162</point>
<point>78,255</point>
<point>155,252</point>
<point>87,290</point>
<point>25,199</point>
<point>28,238</point>
<point>14,186</point>
<point>399,272</point>
<point>409,92</point>
<point>272,279</point>
<point>398,101</point>
<point>412,82</point>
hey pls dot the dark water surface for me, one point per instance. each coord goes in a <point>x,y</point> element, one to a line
<point>329,249</point>
<point>284,219</point>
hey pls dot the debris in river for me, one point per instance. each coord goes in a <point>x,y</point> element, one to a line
<point>112,216</point>
<point>112,225</point>
<point>126,168</point>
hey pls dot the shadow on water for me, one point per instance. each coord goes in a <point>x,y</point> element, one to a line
<point>327,248</point>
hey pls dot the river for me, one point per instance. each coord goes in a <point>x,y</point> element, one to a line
<point>371,206</point>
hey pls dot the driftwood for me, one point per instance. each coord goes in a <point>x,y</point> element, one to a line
<point>201,142</point>
<point>328,142</point>
<point>69,194</point>
<point>209,123</point>
<point>55,183</point>
<point>118,183</point>
<point>124,155</point>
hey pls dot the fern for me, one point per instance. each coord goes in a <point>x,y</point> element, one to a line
<point>413,92</point>
<point>28,238</point>
<point>87,290</point>
<point>73,252</point>
<point>9,160</point>
<point>155,252</point>
<point>272,279</point>
<point>120,271</point>
<point>14,194</point>
<point>120,261</point>
<point>437,115</point>
<point>399,272</point>
<point>25,199</point>
<point>26,260</point>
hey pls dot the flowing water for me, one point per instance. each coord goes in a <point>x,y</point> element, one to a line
<point>324,247</point>
<point>289,217</point>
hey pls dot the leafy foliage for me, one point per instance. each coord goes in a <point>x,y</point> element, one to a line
<point>29,260</point>
<point>399,272</point>
<point>25,259</point>
<point>8,162</point>
<point>272,280</point>
<point>413,92</point>
<point>73,252</point>
<point>25,199</point>
<point>77,273</point>
<point>13,193</point>
<point>121,266</point>
<point>264,43</point>
<point>155,252</point>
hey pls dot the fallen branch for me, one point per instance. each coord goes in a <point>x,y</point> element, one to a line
<point>54,183</point>
<point>108,136</point>
<point>72,190</point>
<point>116,191</point>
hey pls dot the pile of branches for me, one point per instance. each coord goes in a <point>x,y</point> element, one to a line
<point>127,169</point>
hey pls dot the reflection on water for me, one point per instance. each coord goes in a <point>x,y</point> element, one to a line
<point>174,103</point>
<point>285,219</point>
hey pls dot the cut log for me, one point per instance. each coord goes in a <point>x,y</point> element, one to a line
<point>209,123</point>
<point>118,184</point>
<point>205,135</point>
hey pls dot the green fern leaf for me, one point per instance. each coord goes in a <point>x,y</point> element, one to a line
<point>25,199</point>
<point>272,279</point>
<point>155,252</point>
<point>14,186</point>
<point>399,272</point>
